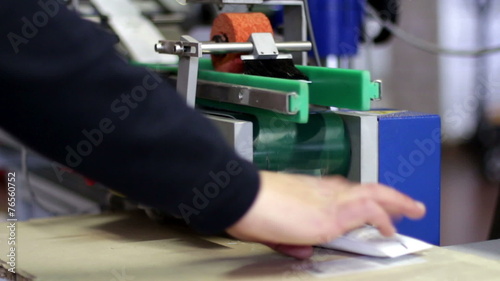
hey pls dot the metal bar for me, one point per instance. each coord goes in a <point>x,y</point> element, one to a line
<point>170,47</point>
<point>215,48</point>
<point>276,101</point>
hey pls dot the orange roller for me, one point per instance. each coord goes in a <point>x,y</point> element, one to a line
<point>236,27</point>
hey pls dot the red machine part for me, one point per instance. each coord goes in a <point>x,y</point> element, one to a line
<point>236,27</point>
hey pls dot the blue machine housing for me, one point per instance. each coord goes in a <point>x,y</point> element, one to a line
<point>410,160</point>
<point>337,26</point>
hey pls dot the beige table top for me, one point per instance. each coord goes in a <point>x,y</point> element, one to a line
<point>129,246</point>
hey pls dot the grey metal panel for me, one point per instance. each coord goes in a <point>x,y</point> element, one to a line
<point>363,134</point>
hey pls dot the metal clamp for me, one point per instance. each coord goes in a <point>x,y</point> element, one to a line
<point>180,48</point>
<point>379,82</point>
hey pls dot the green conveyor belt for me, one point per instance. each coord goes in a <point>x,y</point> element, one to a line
<point>319,147</point>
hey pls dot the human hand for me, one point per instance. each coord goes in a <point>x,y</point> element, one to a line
<point>293,212</point>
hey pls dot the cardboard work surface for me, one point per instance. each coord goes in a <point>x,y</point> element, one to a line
<point>129,246</point>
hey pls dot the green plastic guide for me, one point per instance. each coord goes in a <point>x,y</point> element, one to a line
<point>342,88</point>
<point>298,103</point>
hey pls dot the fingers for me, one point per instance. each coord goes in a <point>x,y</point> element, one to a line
<point>395,203</point>
<point>356,213</point>
<point>375,204</point>
<point>392,201</point>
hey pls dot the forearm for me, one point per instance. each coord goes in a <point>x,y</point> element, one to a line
<point>67,95</point>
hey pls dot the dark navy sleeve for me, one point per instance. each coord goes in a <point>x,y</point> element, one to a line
<point>68,95</point>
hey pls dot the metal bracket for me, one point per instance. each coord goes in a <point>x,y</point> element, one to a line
<point>190,50</point>
<point>379,82</point>
<point>276,101</point>
<point>188,66</point>
<point>264,47</point>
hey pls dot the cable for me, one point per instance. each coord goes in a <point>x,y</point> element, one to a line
<point>423,44</point>
<point>311,33</point>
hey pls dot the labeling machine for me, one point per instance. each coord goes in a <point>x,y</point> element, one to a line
<point>321,125</point>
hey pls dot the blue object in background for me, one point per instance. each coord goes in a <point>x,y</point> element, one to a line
<point>410,160</point>
<point>337,26</point>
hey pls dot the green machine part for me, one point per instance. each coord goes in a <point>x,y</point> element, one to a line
<point>310,142</point>
<point>342,88</point>
<point>319,147</point>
